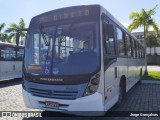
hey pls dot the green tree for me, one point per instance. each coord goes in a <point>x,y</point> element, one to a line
<point>158,42</point>
<point>151,41</point>
<point>144,19</point>
<point>13,28</point>
<point>3,36</point>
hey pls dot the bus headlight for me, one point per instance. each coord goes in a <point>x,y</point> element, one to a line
<point>95,81</point>
<point>92,89</point>
<point>93,85</point>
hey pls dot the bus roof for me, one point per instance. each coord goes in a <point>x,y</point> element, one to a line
<point>65,14</point>
<point>5,43</point>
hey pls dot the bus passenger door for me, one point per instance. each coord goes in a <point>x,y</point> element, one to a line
<point>110,69</point>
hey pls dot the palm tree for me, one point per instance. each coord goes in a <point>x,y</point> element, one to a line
<point>2,26</point>
<point>144,19</point>
<point>13,28</point>
<point>3,36</point>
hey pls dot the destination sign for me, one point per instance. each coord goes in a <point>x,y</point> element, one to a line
<point>64,15</point>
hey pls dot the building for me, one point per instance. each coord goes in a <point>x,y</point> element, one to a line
<point>150,51</point>
<point>153,54</point>
<point>139,35</point>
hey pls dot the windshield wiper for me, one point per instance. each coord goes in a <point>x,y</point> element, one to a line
<point>43,33</point>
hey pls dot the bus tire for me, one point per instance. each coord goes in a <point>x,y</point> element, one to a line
<point>122,90</point>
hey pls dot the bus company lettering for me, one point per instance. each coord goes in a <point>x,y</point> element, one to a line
<point>51,79</point>
<point>64,15</point>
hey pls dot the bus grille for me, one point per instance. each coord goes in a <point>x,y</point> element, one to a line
<point>56,94</point>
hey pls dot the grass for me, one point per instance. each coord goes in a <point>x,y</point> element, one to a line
<point>152,75</point>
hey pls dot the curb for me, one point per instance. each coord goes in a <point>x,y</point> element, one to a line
<point>150,82</point>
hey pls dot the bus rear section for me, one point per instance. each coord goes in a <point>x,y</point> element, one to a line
<point>11,59</point>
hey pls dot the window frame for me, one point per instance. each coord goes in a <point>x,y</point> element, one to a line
<point>123,42</point>
<point>104,29</point>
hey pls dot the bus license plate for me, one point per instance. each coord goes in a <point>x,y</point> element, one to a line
<point>52,104</point>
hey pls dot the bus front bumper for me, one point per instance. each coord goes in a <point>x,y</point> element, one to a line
<point>91,105</point>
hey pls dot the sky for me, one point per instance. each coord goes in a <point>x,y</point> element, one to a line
<point>12,10</point>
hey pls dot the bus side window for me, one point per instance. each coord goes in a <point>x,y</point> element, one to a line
<point>36,49</point>
<point>8,54</point>
<point>136,50</point>
<point>131,45</point>
<point>133,48</point>
<point>2,54</point>
<point>140,51</point>
<point>128,46</point>
<point>121,42</point>
<point>20,54</point>
<point>108,37</point>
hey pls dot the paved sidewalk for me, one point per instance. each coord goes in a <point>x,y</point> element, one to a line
<point>150,82</point>
<point>144,97</point>
<point>141,98</point>
<point>153,68</point>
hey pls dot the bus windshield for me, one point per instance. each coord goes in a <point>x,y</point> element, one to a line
<point>69,49</point>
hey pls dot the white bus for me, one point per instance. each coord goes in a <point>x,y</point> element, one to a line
<point>79,59</point>
<point>11,58</point>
